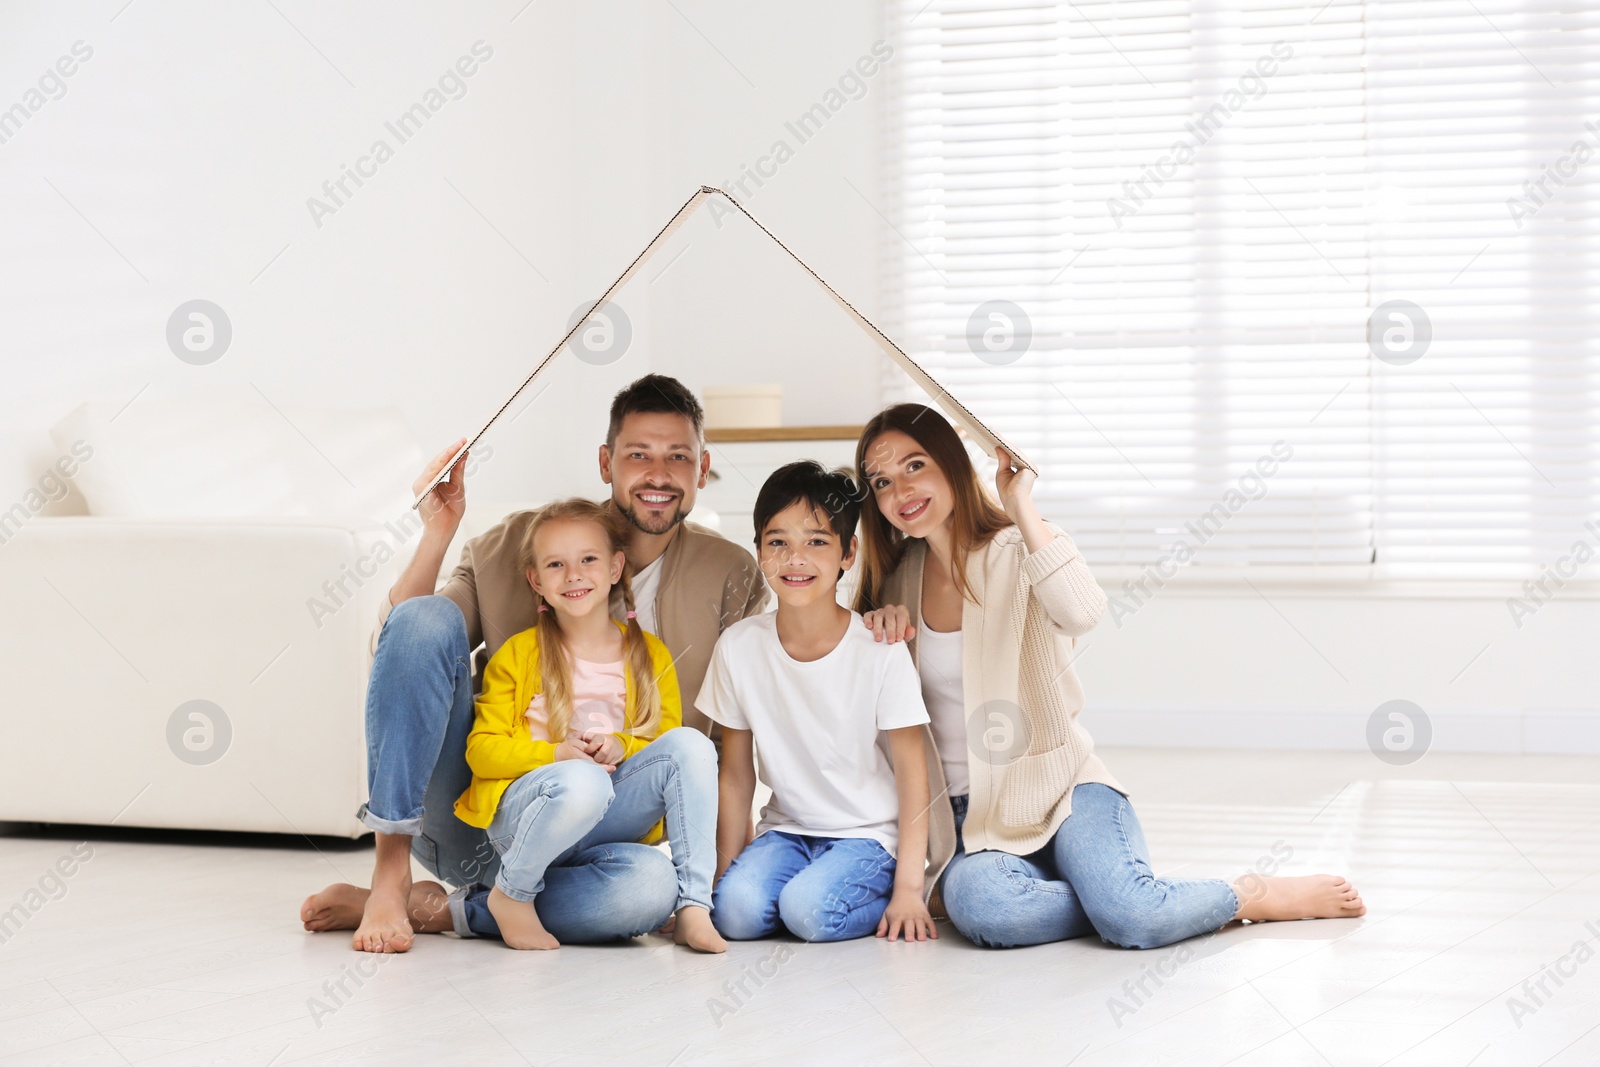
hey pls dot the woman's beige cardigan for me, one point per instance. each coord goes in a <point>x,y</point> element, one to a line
<point>1016,664</point>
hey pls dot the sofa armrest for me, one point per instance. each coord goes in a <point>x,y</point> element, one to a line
<point>117,623</point>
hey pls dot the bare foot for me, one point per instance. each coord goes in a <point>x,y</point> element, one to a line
<point>1310,896</point>
<point>428,907</point>
<point>519,922</point>
<point>337,907</point>
<point>340,906</point>
<point>384,925</point>
<point>694,930</point>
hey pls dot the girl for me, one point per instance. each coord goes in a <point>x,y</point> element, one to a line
<point>1037,841</point>
<point>574,743</point>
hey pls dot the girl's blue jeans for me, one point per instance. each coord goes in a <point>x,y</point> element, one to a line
<point>554,813</point>
<point>419,713</point>
<point>1093,876</point>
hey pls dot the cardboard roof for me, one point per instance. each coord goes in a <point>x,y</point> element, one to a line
<point>955,409</point>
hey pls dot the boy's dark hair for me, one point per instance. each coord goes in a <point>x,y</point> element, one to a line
<point>835,493</point>
<point>652,394</point>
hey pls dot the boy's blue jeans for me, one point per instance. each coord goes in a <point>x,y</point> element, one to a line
<point>1093,877</point>
<point>819,888</point>
<point>419,712</point>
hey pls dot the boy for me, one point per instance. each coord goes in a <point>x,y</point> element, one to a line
<point>810,686</point>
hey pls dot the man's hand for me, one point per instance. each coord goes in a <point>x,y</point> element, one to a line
<point>906,912</point>
<point>890,623</point>
<point>442,510</point>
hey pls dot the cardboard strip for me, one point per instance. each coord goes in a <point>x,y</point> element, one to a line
<point>952,407</point>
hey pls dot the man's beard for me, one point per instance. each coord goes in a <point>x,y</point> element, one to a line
<point>642,523</point>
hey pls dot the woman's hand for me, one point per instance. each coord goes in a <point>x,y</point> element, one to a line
<point>604,748</point>
<point>1014,487</point>
<point>906,912</point>
<point>890,623</point>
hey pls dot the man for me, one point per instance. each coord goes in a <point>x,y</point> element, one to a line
<point>689,584</point>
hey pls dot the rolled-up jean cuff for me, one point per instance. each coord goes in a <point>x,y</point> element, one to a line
<point>520,895</point>
<point>458,910</point>
<point>409,827</point>
<point>1237,905</point>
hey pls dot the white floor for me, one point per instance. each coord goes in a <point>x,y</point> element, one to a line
<point>1479,873</point>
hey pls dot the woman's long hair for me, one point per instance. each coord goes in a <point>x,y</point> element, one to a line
<point>555,664</point>
<point>976,517</point>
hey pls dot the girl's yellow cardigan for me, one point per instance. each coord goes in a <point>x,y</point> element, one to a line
<point>500,748</point>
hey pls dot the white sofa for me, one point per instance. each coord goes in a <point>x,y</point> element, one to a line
<point>215,527</point>
<point>113,624</point>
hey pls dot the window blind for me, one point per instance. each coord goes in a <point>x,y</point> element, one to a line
<point>1250,282</point>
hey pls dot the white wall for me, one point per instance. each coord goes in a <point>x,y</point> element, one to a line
<point>194,135</point>
<point>1293,665</point>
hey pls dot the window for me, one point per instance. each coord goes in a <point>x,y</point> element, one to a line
<point>1195,209</point>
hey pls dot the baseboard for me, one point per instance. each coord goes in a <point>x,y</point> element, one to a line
<point>1525,732</point>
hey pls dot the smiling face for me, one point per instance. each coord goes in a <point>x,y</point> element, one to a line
<point>574,567</point>
<point>801,556</point>
<point>908,487</point>
<point>654,468</point>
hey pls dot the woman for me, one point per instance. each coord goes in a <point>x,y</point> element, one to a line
<point>1036,842</point>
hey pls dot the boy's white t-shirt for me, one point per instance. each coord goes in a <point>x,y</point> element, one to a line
<point>818,725</point>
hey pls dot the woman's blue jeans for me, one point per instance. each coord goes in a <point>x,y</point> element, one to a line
<point>1093,877</point>
<point>419,713</point>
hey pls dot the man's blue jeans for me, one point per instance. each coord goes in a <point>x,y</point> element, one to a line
<point>818,888</point>
<point>419,713</point>
<point>1093,877</point>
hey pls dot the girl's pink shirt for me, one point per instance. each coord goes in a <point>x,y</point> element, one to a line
<point>599,701</point>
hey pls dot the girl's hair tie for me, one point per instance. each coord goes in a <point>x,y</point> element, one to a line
<point>633,614</point>
<point>543,607</point>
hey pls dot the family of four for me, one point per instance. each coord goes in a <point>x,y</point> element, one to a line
<point>596,678</point>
